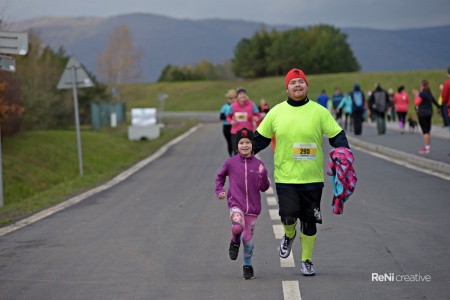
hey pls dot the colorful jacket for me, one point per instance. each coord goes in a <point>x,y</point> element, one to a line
<point>359,100</point>
<point>347,103</point>
<point>243,115</point>
<point>424,103</point>
<point>224,113</point>
<point>446,93</point>
<point>343,177</point>
<point>245,183</point>
<point>323,100</point>
<point>401,101</point>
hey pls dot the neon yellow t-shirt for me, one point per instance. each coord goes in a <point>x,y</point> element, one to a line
<point>298,156</point>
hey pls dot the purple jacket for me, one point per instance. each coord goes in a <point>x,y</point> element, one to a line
<point>245,183</point>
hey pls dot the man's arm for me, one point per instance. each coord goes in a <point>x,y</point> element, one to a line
<point>339,141</point>
<point>260,143</point>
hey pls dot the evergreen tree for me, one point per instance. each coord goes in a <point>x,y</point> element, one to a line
<point>317,49</point>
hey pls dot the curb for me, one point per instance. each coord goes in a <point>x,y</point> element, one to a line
<point>436,166</point>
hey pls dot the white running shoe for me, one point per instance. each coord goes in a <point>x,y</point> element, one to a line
<point>307,268</point>
<point>286,245</point>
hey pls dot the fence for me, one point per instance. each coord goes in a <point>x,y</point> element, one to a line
<point>107,114</point>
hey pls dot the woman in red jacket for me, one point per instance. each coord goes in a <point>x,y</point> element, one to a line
<point>401,101</point>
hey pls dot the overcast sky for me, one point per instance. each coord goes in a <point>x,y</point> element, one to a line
<point>381,14</point>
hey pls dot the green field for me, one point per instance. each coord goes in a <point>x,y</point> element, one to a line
<point>40,168</point>
<point>209,95</point>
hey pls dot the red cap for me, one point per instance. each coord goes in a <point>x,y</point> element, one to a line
<point>295,73</point>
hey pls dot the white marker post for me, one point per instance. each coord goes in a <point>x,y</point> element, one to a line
<point>161,98</point>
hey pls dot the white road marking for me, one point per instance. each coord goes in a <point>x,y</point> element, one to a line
<point>119,178</point>
<point>274,214</point>
<point>278,230</point>
<point>287,262</point>
<point>291,290</point>
<point>272,201</point>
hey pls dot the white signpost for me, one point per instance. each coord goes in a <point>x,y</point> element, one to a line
<point>75,76</point>
<point>13,42</point>
<point>7,63</point>
<point>10,43</point>
<point>161,98</point>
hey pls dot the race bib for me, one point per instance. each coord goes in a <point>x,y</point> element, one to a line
<point>305,151</point>
<point>241,116</point>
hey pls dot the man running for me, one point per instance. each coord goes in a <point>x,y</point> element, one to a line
<point>299,125</point>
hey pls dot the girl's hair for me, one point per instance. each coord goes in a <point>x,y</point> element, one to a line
<point>425,85</point>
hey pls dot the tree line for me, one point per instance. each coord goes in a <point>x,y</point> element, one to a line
<point>29,98</point>
<point>203,70</point>
<point>318,49</point>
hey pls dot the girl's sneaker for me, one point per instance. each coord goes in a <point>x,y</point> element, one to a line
<point>233,251</point>
<point>248,272</point>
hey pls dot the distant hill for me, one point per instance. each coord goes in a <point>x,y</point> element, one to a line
<point>165,40</point>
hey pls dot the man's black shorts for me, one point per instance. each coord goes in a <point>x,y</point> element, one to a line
<point>304,205</point>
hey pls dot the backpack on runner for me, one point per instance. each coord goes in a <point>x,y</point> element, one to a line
<point>380,101</point>
<point>357,100</point>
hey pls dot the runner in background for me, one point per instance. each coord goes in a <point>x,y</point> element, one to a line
<point>264,109</point>
<point>336,99</point>
<point>401,102</point>
<point>446,98</point>
<point>243,113</point>
<point>323,99</point>
<point>226,128</point>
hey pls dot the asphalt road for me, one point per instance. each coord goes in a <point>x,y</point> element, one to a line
<point>162,234</point>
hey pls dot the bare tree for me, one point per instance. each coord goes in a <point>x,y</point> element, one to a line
<point>3,23</point>
<point>121,61</point>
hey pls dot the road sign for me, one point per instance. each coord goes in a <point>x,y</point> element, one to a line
<point>13,42</point>
<point>7,63</point>
<point>67,78</point>
<point>75,76</point>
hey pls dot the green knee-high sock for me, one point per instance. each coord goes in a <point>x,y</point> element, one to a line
<point>289,230</point>
<point>307,243</point>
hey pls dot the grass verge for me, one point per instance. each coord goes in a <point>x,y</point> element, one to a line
<point>41,167</point>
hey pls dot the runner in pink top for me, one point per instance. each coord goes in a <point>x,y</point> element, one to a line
<point>401,101</point>
<point>243,113</point>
